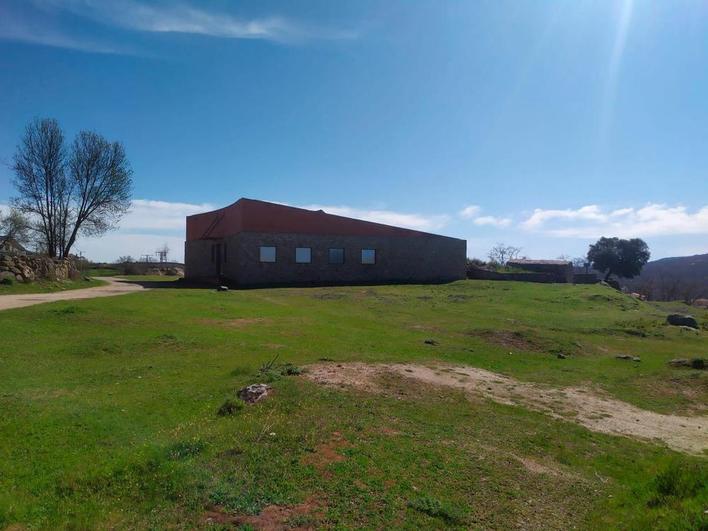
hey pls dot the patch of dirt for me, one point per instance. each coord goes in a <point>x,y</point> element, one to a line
<point>327,453</point>
<point>236,323</point>
<point>511,339</point>
<point>271,518</point>
<point>583,406</point>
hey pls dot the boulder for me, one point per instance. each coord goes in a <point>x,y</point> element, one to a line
<point>254,392</point>
<point>677,319</point>
<point>695,363</point>
<point>222,288</point>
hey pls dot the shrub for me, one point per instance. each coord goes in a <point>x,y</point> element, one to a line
<point>229,407</point>
<point>7,281</point>
<point>436,509</point>
<point>677,482</point>
<point>185,449</point>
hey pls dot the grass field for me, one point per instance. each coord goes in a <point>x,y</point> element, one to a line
<point>48,286</point>
<point>110,411</point>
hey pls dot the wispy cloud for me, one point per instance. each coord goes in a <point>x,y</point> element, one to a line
<point>389,217</point>
<point>149,215</point>
<point>592,221</point>
<point>44,33</point>
<point>469,211</point>
<point>473,212</point>
<point>492,221</point>
<point>156,17</point>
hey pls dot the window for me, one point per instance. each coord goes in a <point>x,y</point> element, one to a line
<point>368,256</point>
<point>267,254</point>
<point>303,255</point>
<point>336,256</point>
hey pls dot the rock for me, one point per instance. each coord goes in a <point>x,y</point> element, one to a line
<point>623,357</point>
<point>431,342</point>
<point>254,392</point>
<point>636,358</point>
<point>677,319</point>
<point>561,356</point>
<point>222,288</point>
<point>6,274</point>
<point>695,363</point>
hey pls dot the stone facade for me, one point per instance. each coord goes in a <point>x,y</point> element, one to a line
<point>23,268</point>
<point>420,258</point>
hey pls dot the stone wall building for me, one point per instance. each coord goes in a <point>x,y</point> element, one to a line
<point>251,243</point>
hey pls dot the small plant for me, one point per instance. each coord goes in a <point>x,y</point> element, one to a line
<point>272,372</point>
<point>677,482</point>
<point>288,369</point>
<point>185,449</point>
<point>7,281</point>
<point>435,508</point>
<point>229,407</point>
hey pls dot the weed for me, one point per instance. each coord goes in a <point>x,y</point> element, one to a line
<point>185,449</point>
<point>677,482</point>
<point>229,407</point>
<point>435,508</point>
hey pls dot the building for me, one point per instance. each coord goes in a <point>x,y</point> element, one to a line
<point>557,270</point>
<point>251,243</point>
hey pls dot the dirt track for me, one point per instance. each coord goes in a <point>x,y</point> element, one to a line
<point>115,286</point>
<point>582,406</point>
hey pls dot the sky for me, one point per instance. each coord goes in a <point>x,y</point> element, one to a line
<point>543,125</point>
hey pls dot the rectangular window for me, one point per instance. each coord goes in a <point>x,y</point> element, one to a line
<point>368,256</point>
<point>336,256</point>
<point>267,254</point>
<point>303,255</point>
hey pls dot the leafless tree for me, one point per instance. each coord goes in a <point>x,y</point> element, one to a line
<point>14,226</point>
<point>125,259</point>
<point>101,186</point>
<point>502,253</point>
<point>40,179</point>
<point>86,192</point>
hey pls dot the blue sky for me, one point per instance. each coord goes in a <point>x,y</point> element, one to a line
<point>540,124</point>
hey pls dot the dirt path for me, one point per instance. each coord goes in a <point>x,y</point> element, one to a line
<point>115,286</point>
<point>583,406</point>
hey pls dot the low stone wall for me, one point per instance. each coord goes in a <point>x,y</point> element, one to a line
<point>21,268</point>
<point>485,274</point>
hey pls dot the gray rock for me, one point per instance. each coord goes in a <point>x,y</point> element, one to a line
<point>254,392</point>
<point>677,319</point>
<point>561,356</point>
<point>430,342</point>
<point>222,288</point>
<point>695,363</point>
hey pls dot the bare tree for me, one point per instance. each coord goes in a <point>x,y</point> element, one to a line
<point>85,193</point>
<point>41,182</point>
<point>101,187</point>
<point>125,259</point>
<point>14,226</point>
<point>502,253</point>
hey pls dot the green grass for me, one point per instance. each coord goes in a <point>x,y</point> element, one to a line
<point>113,410</point>
<point>101,272</point>
<point>47,286</point>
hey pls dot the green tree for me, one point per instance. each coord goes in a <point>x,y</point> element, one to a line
<point>622,258</point>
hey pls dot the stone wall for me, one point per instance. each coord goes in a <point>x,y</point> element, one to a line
<point>22,268</point>
<point>485,274</point>
<point>426,258</point>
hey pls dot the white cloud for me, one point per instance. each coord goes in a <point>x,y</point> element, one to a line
<point>469,211</point>
<point>185,18</point>
<point>592,221</point>
<point>389,217</point>
<point>146,214</point>
<point>492,221</point>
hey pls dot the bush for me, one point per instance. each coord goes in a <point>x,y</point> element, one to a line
<point>437,509</point>
<point>7,281</point>
<point>677,482</point>
<point>229,407</point>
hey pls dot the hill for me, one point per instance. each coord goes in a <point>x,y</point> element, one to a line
<point>675,278</point>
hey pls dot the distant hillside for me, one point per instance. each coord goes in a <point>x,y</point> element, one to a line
<point>676,278</point>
